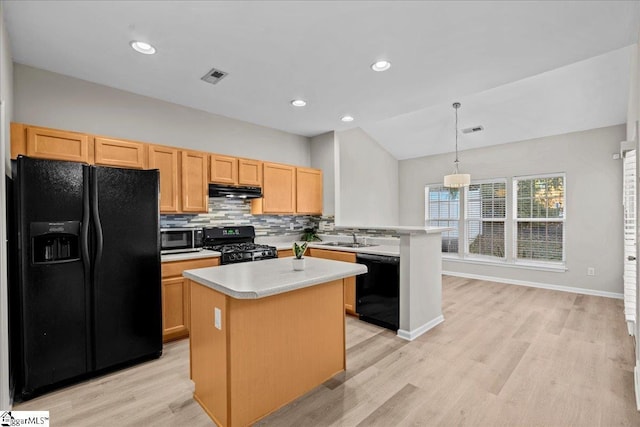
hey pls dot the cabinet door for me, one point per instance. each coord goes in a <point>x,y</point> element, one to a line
<point>175,308</point>
<point>279,183</point>
<point>165,159</point>
<point>195,187</point>
<point>224,169</point>
<point>308,191</point>
<point>114,152</point>
<point>285,253</point>
<point>250,172</point>
<point>349,282</point>
<point>57,145</point>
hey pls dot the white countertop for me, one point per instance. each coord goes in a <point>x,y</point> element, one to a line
<point>400,229</point>
<point>390,250</point>
<point>251,280</point>
<point>190,255</point>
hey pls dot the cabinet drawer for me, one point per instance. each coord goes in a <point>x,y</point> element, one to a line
<point>175,268</point>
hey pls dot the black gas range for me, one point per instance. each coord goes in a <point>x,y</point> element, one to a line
<point>236,244</point>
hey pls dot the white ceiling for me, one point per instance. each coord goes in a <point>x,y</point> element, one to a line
<point>487,55</point>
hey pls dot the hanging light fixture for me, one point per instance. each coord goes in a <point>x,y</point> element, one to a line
<point>457,179</point>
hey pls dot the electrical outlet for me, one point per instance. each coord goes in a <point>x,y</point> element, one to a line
<point>591,271</point>
<point>290,226</point>
<point>217,316</point>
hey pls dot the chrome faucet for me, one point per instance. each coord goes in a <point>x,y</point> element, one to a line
<point>355,239</point>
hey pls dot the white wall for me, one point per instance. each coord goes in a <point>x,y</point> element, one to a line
<point>593,200</point>
<point>367,192</point>
<point>53,100</point>
<point>323,156</point>
<point>6,97</point>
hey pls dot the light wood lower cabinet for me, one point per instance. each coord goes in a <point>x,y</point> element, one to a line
<point>349,283</point>
<point>285,253</point>
<point>176,296</point>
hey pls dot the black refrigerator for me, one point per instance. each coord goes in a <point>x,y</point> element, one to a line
<point>87,296</point>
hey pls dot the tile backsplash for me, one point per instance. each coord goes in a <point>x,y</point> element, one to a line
<point>228,212</point>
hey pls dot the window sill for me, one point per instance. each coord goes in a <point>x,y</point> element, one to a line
<point>521,265</point>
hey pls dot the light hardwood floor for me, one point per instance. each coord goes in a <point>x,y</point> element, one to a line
<point>505,356</point>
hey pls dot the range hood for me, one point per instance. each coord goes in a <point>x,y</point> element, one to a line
<point>234,192</point>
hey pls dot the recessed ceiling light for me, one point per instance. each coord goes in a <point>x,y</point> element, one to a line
<point>346,118</point>
<point>143,47</point>
<point>381,65</point>
<point>298,102</point>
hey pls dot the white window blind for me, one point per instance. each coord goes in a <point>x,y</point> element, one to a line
<point>629,201</point>
<point>442,209</point>
<point>485,216</point>
<point>539,220</point>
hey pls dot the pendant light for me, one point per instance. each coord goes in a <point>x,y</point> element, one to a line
<point>457,179</point>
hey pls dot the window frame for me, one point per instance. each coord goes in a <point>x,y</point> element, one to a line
<point>516,220</point>
<point>459,220</point>
<point>504,220</point>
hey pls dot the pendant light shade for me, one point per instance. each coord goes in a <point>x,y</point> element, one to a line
<point>457,179</point>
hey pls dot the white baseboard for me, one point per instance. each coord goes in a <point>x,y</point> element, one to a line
<point>412,335</point>
<point>636,372</point>
<point>537,285</point>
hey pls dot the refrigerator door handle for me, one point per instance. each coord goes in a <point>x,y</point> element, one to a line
<point>84,232</point>
<point>96,222</point>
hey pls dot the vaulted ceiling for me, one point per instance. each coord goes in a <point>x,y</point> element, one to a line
<point>520,69</point>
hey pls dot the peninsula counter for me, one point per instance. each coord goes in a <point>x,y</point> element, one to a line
<point>262,334</point>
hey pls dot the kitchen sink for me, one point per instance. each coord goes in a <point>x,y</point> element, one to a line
<point>347,245</point>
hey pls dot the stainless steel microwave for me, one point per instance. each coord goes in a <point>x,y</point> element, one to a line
<point>177,240</point>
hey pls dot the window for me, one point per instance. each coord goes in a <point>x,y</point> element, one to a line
<point>539,220</point>
<point>515,221</point>
<point>443,210</point>
<point>485,216</point>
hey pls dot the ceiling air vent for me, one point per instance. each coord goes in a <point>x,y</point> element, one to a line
<point>473,129</point>
<point>214,76</point>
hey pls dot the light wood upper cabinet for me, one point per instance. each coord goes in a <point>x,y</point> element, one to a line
<point>166,160</point>
<point>308,191</point>
<point>195,187</point>
<point>115,152</point>
<point>235,171</point>
<point>54,144</point>
<point>279,189</point>
<point>349,282</point>
<point>224,169</point>
<point>250,172</point>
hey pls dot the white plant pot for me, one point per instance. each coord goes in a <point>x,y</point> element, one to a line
<point>298,263</point>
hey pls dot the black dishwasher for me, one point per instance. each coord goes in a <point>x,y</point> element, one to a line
<point>378,291</point>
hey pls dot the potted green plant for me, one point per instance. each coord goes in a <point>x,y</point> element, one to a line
<point>298,251</point>
<point>310,235</point>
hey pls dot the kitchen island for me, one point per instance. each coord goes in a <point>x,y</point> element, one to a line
<point>263,334</point>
